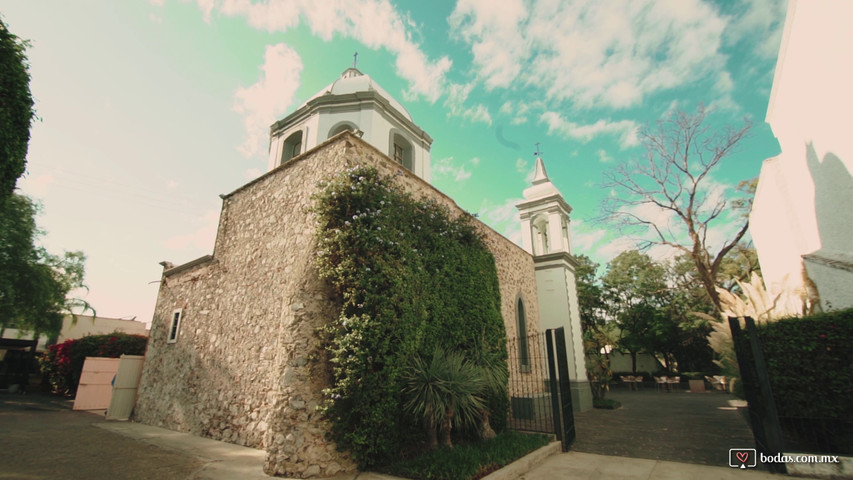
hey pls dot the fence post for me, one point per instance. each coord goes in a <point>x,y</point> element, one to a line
<point>552,373</point>
<point>566,410</point>
<point>759,396</point>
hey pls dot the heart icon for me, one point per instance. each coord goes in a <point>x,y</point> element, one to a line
<point>742,456</point>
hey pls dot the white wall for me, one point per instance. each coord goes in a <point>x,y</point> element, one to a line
<point>804,197</point>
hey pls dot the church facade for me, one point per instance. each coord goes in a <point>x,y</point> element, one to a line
<point>233,351</point>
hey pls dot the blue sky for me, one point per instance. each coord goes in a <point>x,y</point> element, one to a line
<point>151,109</point>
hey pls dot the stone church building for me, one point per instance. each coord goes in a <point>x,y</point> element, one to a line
<point>233,353</point>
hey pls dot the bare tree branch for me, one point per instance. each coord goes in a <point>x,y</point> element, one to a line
<point>673,177</point>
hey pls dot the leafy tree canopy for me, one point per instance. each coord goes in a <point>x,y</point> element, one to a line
<point>16,110</point>
<point>34,285</point>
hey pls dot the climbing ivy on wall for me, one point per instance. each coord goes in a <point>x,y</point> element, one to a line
<point>410,276</point>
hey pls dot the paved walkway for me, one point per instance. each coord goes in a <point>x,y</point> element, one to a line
<point>686,427</point>
<point>42,438</point>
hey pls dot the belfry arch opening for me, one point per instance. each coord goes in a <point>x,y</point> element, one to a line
<point>292,146</point>
<point>341,127</point>
<point>401,151</point>
<point>539,235</point>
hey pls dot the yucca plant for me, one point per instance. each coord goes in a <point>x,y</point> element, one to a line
<point>444,391</point>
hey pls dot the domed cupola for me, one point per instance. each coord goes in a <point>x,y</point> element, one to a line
<point>357,103</point>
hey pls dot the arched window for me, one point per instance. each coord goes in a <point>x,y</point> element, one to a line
<point>401,151</point>
<point>340,128</point>
<point>541,242</point>
<point>292,146</point>
<point>523,351</point>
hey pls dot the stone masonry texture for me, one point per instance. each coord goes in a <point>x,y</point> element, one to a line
<point>247,366</point>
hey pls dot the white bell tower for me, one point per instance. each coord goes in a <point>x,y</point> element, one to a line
<point>545,234</point>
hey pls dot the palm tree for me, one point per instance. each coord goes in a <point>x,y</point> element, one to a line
<point>445,391</point>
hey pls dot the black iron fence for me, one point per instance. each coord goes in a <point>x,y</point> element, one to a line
<point>540,399</point>
<point>774,431</point>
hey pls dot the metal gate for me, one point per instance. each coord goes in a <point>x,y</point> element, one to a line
<point>539,391</point>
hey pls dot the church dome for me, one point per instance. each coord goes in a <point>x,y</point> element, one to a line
<point>353,81</point>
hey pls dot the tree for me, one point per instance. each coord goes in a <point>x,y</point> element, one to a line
<point>590,303</point>
<point>670,188</point>
<point>34,285</point>
<point>16,110</point>
<point>634,288</point>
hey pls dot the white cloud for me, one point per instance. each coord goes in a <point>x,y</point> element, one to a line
<point>503,218</point>
<point>457,94</point>
<point>725,82</point>
<point>494,30</point>
<point>592,53</point>
<point>762,20</point>
<point>375,23</point>
<point>267,99</point>
<point>586,242</point>
<point>202,238</point>
<point>252,173</point>
<point>603,157</point>
<point>478,113</point>
<point>475,161</point>
<point>525,169</point>
<point>172,184</point>
<point>626,130</point>
<point>724,104</point>
<point>446,168</point>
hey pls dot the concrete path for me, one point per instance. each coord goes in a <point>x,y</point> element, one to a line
<point>587,466</point>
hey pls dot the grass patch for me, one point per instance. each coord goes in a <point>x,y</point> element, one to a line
<point>469,461</point>
<point>607,403</point>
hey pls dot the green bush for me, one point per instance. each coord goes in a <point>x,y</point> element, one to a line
<point>62,365</point>
<point>470,461</point>
<point>410,277</point>
<point>810,364</point>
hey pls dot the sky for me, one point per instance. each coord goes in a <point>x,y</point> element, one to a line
<point>148,110</point>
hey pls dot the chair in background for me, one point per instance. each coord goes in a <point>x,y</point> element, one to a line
<point>638,382</point>
<point>660,383</point>
<point>672,382</point>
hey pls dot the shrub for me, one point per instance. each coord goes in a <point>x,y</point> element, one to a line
<point>410,277</point>
<point>809,363</point>
<point>470,461</point>
<point>62,365</point>
<point>606,403</point>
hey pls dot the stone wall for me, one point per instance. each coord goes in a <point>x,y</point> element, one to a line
<point>247,367</point>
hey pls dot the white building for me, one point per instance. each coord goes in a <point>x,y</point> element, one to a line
<point>802,218</point>
<point>353,102</point>
<point>545,234</point>
<point>83,327</point>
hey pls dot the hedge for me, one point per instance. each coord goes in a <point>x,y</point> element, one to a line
<point>810,364</point>
<point>62,365</point>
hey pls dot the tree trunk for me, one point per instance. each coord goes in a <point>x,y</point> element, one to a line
<point>446,426</point>
<point>486,432</point>
<point>432,434</point>
<point>633,362</point>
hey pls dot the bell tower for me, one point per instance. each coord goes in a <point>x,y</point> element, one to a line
<point>545,234</point>
<point>354,102</point>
